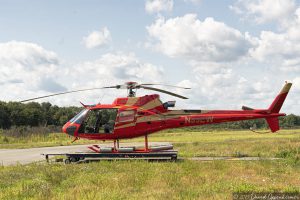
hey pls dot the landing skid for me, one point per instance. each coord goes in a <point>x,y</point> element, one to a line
<point>161,152</point>
<point>117,149</point>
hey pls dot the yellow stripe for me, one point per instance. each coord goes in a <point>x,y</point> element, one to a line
<point>148,118</point>
<point>166,116</point>
<point>286,88</point>
<point>155,118</point>
<point>125,126</point>
<point>152,104</point>
<point>132,100</point>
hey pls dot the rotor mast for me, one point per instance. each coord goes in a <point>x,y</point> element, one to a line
<point>130,89</point>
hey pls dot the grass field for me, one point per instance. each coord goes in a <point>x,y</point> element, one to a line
<point>165,180</point>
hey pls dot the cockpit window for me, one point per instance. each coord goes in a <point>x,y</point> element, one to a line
<point>79,117</point>
<point>126,116</point>
<point>100,121</point>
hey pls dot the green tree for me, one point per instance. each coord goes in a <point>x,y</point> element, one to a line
<point>4,116</point>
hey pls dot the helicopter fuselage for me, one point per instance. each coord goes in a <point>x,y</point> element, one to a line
<point>139,116</point>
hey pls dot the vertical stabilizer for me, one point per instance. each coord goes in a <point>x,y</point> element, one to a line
<point>273,123</point>
<point>275,107</point>
<point>278,101</point>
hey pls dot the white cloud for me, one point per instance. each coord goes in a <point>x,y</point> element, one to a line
<point>97,38</point>
<point>280,49</point>
<point>270,44</point>
<point>221,84</point>
<point>214,51</point>
<point>50,85</point>
<point>219,56</point>
<point>26,54</point>
<point>196,2</point>
<point>296,84</point>
<point>118,67</point>
<point>27,64</point>
<point>229,90</point>
<point>28,70</point>
<point>263,11</point>
<point>156,6</point>
<point>110,69</point>
<point>192,39</point>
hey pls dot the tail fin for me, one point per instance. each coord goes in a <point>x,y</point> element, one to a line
<point>273,123</point>
<point>275,107</point>
<point>278,101</point>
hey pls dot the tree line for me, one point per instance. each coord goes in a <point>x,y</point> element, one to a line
<point>15,114</point>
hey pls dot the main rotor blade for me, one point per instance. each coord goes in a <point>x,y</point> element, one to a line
<point>166,85</point>
<point>163,91</point>
<point>67,92</point>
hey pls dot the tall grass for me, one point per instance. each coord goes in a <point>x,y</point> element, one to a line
<point>143,180</point>
<point>164,180</point>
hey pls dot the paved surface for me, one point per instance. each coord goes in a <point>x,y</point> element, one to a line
<point>25,156</point>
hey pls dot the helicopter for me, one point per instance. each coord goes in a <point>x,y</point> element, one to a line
<point>132,116</point>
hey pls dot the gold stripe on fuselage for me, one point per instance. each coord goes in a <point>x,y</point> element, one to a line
<point>131,101</point>
<point>152,104</point>
<point>125,126</point>
<point>152,118</point>
<point>148,118</point>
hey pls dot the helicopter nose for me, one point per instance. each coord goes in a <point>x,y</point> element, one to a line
<point>70,130</point>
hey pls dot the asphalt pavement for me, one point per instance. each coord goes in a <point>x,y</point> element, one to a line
<point>25,156</point>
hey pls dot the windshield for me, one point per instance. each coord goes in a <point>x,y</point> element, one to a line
<point>99,121</point>
<point>79,117</point>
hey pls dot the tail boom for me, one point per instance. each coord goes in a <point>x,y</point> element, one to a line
<point>203,117</point>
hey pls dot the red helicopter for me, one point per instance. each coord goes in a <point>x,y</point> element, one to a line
<point>133,116</point>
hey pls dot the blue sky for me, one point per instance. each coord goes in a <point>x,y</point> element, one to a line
<point>230,52</point>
